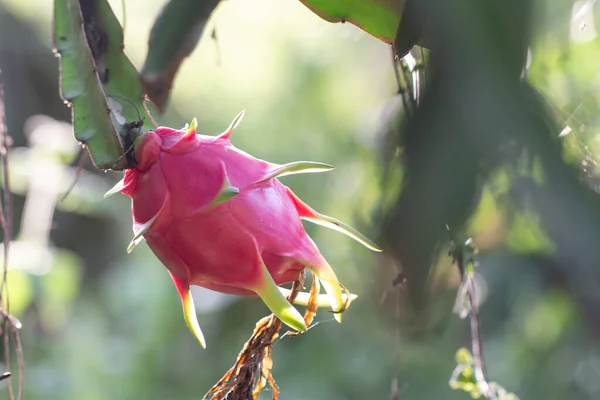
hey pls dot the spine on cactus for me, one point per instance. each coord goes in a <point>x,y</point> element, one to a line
<point>218,217</point>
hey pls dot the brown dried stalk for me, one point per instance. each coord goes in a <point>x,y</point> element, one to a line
<point>251,371</point>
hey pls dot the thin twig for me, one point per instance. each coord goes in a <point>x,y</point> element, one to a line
<point>476,343</point>
<point>401,90</point>
<point>80,165</point>
<point>406,73</point>
<point>6,239</point>
<point>214,37</point>
<point>6,220</point>
<point>395,395</point>
<point>20,358</point>
<point>423,65</point>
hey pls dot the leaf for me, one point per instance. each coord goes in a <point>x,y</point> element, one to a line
<point>380,18</point>
<point>438,191</point>
<point>100,81</point>
<point>409,31</point>
<point>174,36</point>
<point>448,149</point>
<point>81,88</point>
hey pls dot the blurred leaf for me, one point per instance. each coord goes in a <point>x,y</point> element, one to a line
<point>547,319</point>
<point>458,134</point>
<point>463,356</point>
<point>463,377</point>
<point>526,236</point>
<point>174,36</point>
<point>81,87</point>
<point>59,288</point>
<point>409,30</point>
<point>20,291</point>
<point>102,83</point>
<point>439,190</point>
<point>380,18</point>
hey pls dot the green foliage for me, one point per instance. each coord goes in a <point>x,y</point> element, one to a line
<point>483,140</point>
<point>526,235</point>
<point>464,378</point>
<point>380,18</point>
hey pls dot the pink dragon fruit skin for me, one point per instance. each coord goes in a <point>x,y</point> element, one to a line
<point>219,218</point>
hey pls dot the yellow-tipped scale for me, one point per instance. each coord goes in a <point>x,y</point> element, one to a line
<point>330,282</point>
<point>189,311</point>
<point>276,301</point>
<point>323,300</point>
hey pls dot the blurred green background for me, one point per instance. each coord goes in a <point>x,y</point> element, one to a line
<point>101,324</point>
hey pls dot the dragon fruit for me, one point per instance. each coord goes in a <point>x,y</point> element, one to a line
<point>219,218</point>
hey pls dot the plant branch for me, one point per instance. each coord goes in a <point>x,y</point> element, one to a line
<point>463,256</point>
<point>6,220</point>
<point>476,344</point>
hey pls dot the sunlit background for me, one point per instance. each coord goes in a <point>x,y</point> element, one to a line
<point>102,324</point>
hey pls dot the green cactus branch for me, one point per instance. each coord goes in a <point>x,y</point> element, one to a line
<point>175,34</point>
<point>81,87</point>
<point>99,82</point>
